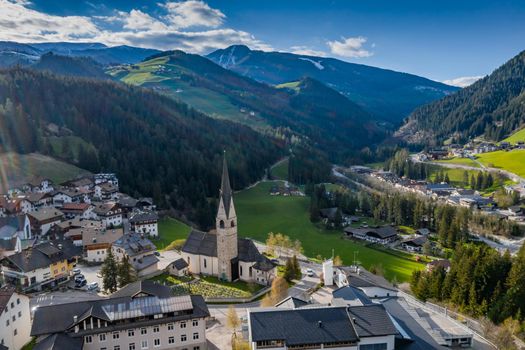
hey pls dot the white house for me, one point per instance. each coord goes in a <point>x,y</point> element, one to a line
<point>15,318</point>
<point>109,213</point>
<point>145,222</point>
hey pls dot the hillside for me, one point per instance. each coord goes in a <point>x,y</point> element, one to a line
<point>387,94</point>
<point>20,168</point>
<point>13,53</point>
<point>493,107</point>
<point>313,113</point>
<point>72,66</point>
<point>154,144</point>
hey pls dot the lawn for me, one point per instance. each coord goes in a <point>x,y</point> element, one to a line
<point>16,168</point>
<point>517,136</point>
<point>171,230</point>
<point>280,171</point>
<point>259,213</point>
<point>513,161</point>
<point>461,161</point>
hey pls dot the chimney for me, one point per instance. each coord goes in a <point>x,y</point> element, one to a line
<point>320,324</point>
<point>75,318</point>
<point>354,320</point>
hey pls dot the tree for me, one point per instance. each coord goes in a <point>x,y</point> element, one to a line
<point>278,292</point>
<point>338,261</point>
<point>232,319</point>
<point>125,272</point>
<point>289,271</point>
<point>296,267</point>
<point>109,273</point>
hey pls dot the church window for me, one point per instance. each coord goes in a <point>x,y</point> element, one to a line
<point>240,268</point>
<point>250,271</point>
<point>221,224</point>
<point>233,223</point>
<point>205,264</point>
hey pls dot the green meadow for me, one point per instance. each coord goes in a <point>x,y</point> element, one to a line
<point>513,161</point>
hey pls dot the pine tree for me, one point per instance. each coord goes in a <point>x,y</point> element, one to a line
<point>125,273</point>
<point>296,267</point>
<point>289,271</point>
<point>109,273</point>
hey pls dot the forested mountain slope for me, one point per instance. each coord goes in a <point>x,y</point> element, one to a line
<point>493,107</point>
<point>309,113</point>
<point>72,66</point>
<point>386,94</point>
<point>157,146</point>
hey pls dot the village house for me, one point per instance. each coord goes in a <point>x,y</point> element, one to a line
<point>373,286</point>
<point>15,226</point>
<point>96,242</point>
<point>110,178</point>
<point>415,244</point>
<point>44,265</point>
<point>83,183</point>
<point>43,219</point>
<point>35,200</point>
<point>15,318</point>
<point>145,222</point>
<point>443,263</point>
<point>142,315</point>
<point>221,253</point>
<point>38,185</point>
<point>106,191</point>
<point>109,213</point>
<point>364,327</point>
<point>178,268</point>
<point>127,204</point>
<point>382,235</point>
<point>80,210</point>
<point>139,250</point>
<point>146,204</point>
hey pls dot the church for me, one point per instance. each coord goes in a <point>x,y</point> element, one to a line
<point>220,252</point>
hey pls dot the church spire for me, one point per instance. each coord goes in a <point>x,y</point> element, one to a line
<point>226,191</point>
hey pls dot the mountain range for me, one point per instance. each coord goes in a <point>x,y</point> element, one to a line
<point>492,107</point>
<point>386,94</point>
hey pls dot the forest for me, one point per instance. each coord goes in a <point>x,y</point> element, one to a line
<point>157,147</point>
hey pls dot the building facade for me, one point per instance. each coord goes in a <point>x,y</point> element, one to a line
<point>15,318</point>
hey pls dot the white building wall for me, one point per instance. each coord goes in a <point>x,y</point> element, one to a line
<point>378,292</point>
<point>96,255</point>
<point>113,220</point>
<point>149,229</point>
<point>388,339</point>
<point>46,227</point>
<point>15,322</point>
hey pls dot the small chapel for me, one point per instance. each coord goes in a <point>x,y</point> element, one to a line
<point>220,252</point>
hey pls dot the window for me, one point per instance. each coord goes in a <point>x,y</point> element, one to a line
<point>156,329</point>
<point>104,348</point>
<point>12,305</point>
<point>116,347</point>
<point>102,337</point>
<point>19,314</point>
<point>205,264</point>
<point>183,337</point>
<point>144,344</point>
<point>195,323</point>
<point>183,325</point>
<point>156,342</point>
<point>88,339</point>
<point>381,346</point>
<point>132,346</point>
<point>7,323</point>
<point>170,326</point>
<point>131,333</point>
<point>14,318</point>
<point>15,332</point>
<point>143,331</point>
<point>240,268</point>
<point>195,336</point>
<point>171,340</point>
<point>17,301</point>
<point>221,224</point>
<point>116,335</point>
<point>196,348</point>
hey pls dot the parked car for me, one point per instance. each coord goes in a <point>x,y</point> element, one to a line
<point>310,272</point>
<point>76,271</point>
<point>93,286</point>
<point>157,254</point>
<point>80,283</point>
<point>80,277</point>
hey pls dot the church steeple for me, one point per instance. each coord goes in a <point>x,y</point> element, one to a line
<point>226,191</point>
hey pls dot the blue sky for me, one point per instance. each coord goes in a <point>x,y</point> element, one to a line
<point>441,40</point>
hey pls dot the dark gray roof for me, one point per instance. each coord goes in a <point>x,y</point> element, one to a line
<point>127,202</point>
<point>42,255</point>
<point>226,191</point>
<point>371,320</point>
<point>134,244</point>
<point>291,303</point>
<point>144,262</point>
<point>180,264</point>
<point>365,279</point>
<point>303,325</point>
<point>59,341</point>
<point>143,216</point>
<point>417,241</point>
<point>143,287</point>
<point>379,232</point>
<point>205,243</point>
<point>328,212</point>
<point>8,244</point>
<point>350,294</point>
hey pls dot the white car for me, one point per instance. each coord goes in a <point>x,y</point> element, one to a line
<point>310,272</point>
<point>93,286</point>
<point>76,271</point>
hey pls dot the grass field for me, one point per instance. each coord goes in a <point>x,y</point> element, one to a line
<point>517,136</point>
<point>280,171</point>
<point>461,161</point>
<point>171,230</point>
<point>260,213</point>
<point>513,161</point>
<point>18,168</point>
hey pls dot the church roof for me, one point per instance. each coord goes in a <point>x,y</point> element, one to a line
<point>226,191</point>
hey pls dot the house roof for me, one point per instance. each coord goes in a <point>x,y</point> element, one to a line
<point>35,196</point>
<point>302,326</point>
<point>291,303</point>
<point>45,214</point>
<point>351,295</point>
<point>143,216</point>
<point>8,244</point>
<point>179,264</point>
<point>127,202</point>
<point>145,287</point>
<point>97,236</point>
<point>440,263</point>
<point>365,279</point>
<point>104,208</point>
<point>59,341</point>
<point>417,241</point>
<point>144,262</point>
<point>371,320</point>
<point>423,231</point>
<point>134,244</point>
<point>43,255</point>
<point>78,223</point>
<point>75,206</point>
<point>382,232</point>
<point>329,212</point>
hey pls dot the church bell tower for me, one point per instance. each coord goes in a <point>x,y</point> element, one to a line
<point>226,226</point>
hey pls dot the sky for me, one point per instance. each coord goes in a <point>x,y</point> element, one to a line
<point>451,41</point>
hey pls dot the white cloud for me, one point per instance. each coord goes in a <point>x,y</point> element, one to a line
<point>349,47</point>
<point>307,51</point>
<point>463,81</point>
<point>137,28</point>
<point>192,13</point>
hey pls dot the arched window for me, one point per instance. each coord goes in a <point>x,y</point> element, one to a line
<point>240,268</point>
<point>221,224</point>
<point>233,223</point>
